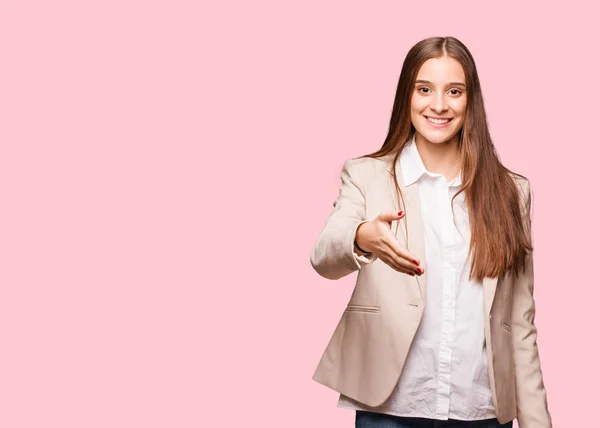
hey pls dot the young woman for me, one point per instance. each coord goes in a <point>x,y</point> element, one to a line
<point>439,330</point>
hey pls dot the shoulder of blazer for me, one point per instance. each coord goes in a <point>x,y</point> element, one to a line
<point>522,183</point>
<point>524,188</point>
<point>519,179</point>
<point>381,162</point>
<point>366,168</point>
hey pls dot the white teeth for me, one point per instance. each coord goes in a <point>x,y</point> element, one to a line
<point>438,121</point>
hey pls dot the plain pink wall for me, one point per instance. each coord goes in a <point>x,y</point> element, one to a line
<point>166,167</point>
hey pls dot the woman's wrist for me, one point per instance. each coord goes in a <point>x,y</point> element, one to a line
<point>356,246</point>
<point>360,249</point>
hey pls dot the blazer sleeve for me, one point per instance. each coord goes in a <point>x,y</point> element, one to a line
<point>532,404</point>
<point>333,255</point>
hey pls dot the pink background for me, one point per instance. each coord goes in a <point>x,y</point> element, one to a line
<point>166,167</point>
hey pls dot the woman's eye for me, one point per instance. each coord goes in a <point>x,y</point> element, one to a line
<point>453,91</point>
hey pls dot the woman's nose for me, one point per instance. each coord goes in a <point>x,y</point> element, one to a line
<point>438,103</point>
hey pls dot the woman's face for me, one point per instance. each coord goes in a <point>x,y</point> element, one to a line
<point>439,92</point>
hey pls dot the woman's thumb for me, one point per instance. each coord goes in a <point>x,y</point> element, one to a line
<point>390,216</point>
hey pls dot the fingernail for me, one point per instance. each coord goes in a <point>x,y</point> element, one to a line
<point>415,262</point>
<point>420,270</point>
<point>400,213</point>
<point>412,273</point>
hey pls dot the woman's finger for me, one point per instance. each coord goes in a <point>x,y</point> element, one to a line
<point>391,262</point>
<point>402,255</point>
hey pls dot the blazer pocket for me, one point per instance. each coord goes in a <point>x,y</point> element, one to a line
<point>362,308</point>
<point>506,326</point>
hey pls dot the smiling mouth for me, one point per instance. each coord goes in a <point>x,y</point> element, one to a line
<point>439,121</point>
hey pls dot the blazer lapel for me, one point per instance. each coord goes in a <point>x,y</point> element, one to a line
<point>489,290</point>
<point>413,221</point>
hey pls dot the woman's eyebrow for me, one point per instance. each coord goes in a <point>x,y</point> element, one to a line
<point>449,84</point>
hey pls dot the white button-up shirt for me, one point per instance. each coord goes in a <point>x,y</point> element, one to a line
<point>446,371</point>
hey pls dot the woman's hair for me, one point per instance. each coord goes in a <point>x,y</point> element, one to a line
<point>499,241</point>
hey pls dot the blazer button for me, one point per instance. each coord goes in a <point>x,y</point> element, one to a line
<point>490,316</point>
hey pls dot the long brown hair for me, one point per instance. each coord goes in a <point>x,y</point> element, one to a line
<point>499,241</point>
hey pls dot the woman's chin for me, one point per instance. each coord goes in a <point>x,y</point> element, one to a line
<point>438,137</point>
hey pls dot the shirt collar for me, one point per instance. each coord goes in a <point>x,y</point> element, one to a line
<point>412,166</point>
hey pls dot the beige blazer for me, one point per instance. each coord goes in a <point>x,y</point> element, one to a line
<point>365,356</point>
